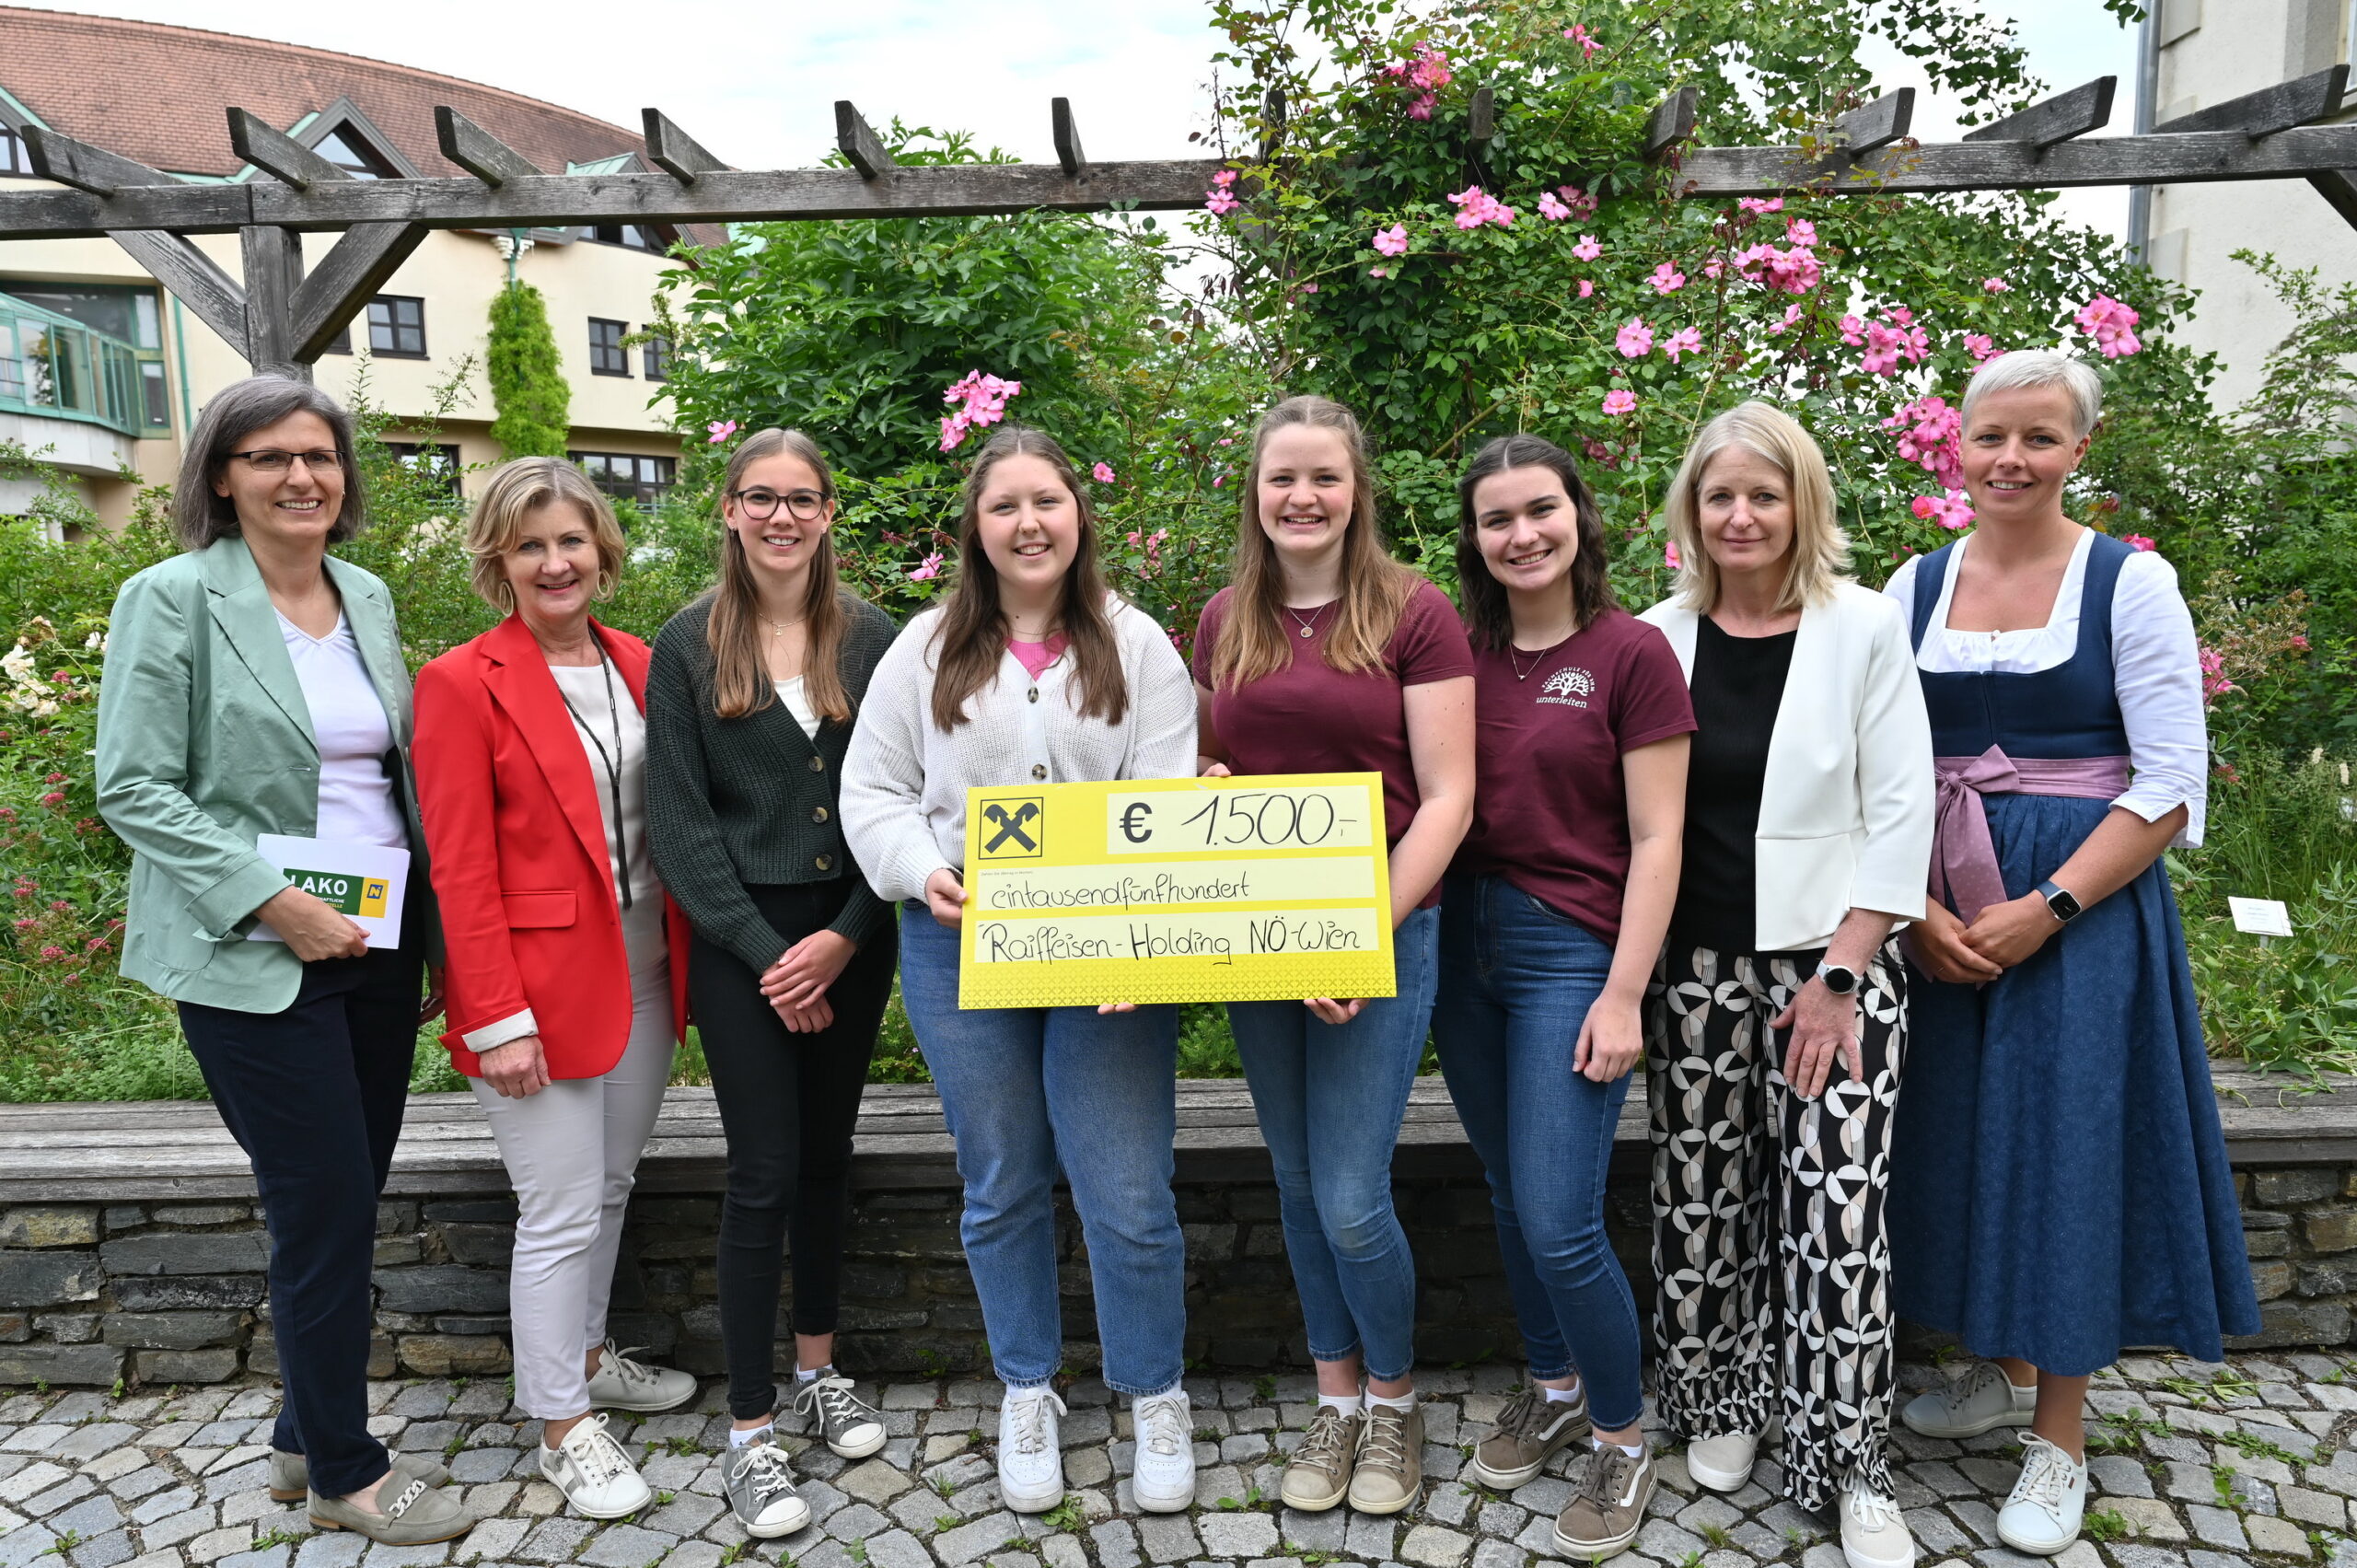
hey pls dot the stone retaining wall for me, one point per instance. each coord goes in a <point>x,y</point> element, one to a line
<point>173,1292</point>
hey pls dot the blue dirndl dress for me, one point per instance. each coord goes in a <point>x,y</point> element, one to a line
<point>2058,1188</point>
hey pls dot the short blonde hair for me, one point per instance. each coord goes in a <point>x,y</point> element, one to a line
<point>513,491</point>
<point>2026,368</point>
<point>1819,556</point>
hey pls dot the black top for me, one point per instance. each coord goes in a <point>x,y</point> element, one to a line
<point>1738,685</point>
<point>750,800</point>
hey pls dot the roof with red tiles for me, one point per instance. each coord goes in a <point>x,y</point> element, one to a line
<point>159,94</point>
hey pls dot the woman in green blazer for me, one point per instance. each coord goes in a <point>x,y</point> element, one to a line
<point>255,685</point>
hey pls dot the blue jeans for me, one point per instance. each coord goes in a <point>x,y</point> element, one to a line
<point>1516,981</point>
<point>1330,1101</point>
<point>1026,1090</point>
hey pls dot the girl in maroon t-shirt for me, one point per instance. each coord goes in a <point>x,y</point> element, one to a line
<point>1326,656</point>
<point>1553,915</point>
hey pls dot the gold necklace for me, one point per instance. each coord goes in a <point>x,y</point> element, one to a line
<point>779,627</point>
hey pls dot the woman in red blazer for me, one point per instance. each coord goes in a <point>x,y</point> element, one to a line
<point>567,982</point>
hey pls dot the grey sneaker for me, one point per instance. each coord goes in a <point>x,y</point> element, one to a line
<point>1981,1400</point>
<point>1319,1473</point>
<point>621,1384</point>
<point>1529,1430</point>
<point>415,1515</point>
<point>290,1474</point>
<point>851,1428</point>
<point>1611,1507</point>
<point>761,1489</point>
<point>1388,1471</point>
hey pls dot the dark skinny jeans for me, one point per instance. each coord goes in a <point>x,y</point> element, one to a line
<point>789,1104</point>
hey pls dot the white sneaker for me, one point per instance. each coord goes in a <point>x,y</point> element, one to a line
<point>593,1472</point>
<point>2042,1515</point>
<point>621,1384</point>
<point>1722,1463</point>
<point>1163,1477</point>
<point>1873,1533</point>
<point>1981,1400</point>
<point>1030,1462</point>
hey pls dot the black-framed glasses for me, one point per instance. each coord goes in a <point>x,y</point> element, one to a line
<point>760,503</point>
<point>267,460</point>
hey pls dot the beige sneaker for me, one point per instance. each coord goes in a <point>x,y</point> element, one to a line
<point>290,1474</point>
<point>1722,1463</point>
<point>1611,1507</point>
<point>414,1514</point>
<point>1389,1468</point>
<point>1529,1430</point>
<point>1319,1471</point>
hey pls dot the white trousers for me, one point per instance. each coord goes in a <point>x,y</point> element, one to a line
<point>572,1150</point>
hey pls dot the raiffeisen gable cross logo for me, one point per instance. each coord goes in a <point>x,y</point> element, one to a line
<point>1569,687</point>
<point>1014,830</point>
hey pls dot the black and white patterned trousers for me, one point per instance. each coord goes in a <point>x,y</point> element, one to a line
<point>1771,1266</point>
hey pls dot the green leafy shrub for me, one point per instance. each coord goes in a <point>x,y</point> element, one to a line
<point>532,399</point>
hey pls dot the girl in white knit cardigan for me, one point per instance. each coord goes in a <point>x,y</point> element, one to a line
<point>1032,671</point>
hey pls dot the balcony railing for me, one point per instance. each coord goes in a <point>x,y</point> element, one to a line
<point>56,367</point>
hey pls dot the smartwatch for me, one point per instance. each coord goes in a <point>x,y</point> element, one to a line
<point>2059,903</point>
<point>1838,979</point>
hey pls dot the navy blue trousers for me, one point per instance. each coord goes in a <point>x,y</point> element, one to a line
<point>314,1095</point>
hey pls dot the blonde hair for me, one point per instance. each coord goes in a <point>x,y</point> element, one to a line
<point>1818,557</point>
<point>1253,639</point>
<point>2028,368</point>
<point>740,672</point>
<point>513,491</point>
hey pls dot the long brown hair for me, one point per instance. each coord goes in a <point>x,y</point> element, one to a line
<point>1487,618</point>
<point>1252,637</point>
<point>740,674</point>
<point>971,637</point>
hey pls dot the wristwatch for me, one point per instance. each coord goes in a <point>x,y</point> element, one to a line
<point>2059,903</point>
<point>1838,979</point>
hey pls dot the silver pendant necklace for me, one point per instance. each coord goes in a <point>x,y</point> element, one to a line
<point>1310,625</point>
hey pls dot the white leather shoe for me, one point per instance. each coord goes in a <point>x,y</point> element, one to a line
<point>1722,1463</point>
<point>1164,1476</point>
<point>621,1384</point>
<point>1031,1461</point>
<point>2042,1515</point>
<point>1981,1400</point>
<point>1873,1533</point>
<point>593,1472</point>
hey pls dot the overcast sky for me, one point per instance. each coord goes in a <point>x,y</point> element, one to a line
<point>756,84</point>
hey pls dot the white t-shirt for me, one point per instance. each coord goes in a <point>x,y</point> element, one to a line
<point>798,703</point>
<point>356,804</point>
<point>2157,669</point>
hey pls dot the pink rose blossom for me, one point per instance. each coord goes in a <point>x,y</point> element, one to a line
<point>2138,542</point>
<point>1585,40</point>
<point>1979,347</point>
<point>1800,231</point>
<point>1669,555</point>
<point>1426,72</point>
<point>2214,684</point>
<point>1886,341</point>
<point>1686,339</point>
<point>1392,241</point>
<point>1791,316</point>
<point>1619,400</point>
<point>1634,340</point>
<point>1551,208</point>
<point>1667,279</point>
<point>722,429</point>
<point>1760,208</point>
<point>1579,200</point>
<point>1587,250</point>
<point>1952,511</point>
<point>1587,287</point>
<point>983,399</point>
<point>2111,324</point>
<point>1931,434</point>
<point>1996,285</point>
<point>1102,473</point>
<point>1476,207</point>
<point>931,569</point>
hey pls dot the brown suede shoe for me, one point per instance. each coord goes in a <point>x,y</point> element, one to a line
<point>1529,1431</point>
<point>1319,1471</point>
<point>1389,1470</point>
<point>1611,1507</point>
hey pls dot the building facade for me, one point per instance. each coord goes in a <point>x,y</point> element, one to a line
<point>2198,53</point>
<point>102,372</point>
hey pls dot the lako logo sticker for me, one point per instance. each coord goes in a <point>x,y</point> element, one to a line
<point>1570,687</point>
<point>343,894</point>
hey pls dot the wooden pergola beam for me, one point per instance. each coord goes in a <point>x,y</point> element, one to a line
<point>859,142</point>
<point>2057,118</point>
<point>1066,131</point>
<point>477,151</point>
<point>673,151</point>
<point>277,153</point>
<point>2269,111</point>
<point>1876,124</point>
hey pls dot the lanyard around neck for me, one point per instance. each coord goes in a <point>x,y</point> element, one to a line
<point>613,765</point>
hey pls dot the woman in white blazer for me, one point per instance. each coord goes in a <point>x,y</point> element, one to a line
<point>1776,1032</point>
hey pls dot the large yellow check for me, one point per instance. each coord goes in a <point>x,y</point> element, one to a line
<point>1230,890</point>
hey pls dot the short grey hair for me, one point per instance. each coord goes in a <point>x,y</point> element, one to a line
<point>237,411</point>
<point>2030,367</point>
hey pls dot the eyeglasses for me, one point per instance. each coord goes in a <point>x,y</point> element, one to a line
<point>802,506</point>
<point>269,461</point>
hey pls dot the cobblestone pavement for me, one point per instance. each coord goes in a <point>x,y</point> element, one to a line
<point>2195,1466</point>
